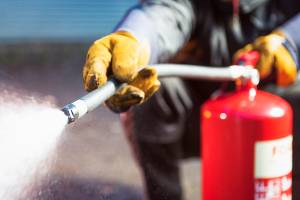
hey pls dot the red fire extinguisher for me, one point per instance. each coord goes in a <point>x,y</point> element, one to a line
<point>246,145</point>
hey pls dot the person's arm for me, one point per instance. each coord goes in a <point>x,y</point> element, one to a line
<point>165,24</point>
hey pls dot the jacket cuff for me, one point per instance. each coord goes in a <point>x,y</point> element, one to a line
<point>291,30</point>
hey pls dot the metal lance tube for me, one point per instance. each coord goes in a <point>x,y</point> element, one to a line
<point>94,99</point>
<point>90,101</point>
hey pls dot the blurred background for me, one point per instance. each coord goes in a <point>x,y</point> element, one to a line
<point>43,44</point>
<point>64,20</point>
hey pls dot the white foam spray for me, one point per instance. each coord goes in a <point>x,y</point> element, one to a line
<point>29,130</point>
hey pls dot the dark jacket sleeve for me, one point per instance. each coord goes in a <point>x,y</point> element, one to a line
<point>165,24</point>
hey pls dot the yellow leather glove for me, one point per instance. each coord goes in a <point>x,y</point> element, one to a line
<point>275,53</point>
<point>122,56</point>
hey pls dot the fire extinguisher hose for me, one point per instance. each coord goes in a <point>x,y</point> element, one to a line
<point>94,99</point>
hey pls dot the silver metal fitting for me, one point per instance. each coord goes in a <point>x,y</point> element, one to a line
<point>246,73</point>
<point>71,112</point>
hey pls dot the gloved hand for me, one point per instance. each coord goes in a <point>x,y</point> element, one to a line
<point>276,52</point>
<point>121,55</point>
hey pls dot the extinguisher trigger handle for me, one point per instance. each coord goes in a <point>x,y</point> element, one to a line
<point>249,58</point>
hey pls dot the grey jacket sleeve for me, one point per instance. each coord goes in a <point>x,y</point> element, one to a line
<point>292,29</point>
<point>165,24</point>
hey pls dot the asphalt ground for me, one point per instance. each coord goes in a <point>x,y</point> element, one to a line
<point>93,159</point>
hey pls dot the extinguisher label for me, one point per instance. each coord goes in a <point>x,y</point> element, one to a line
<point>273,169</point>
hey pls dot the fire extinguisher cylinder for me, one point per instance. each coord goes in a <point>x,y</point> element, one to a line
<point>246,146</point>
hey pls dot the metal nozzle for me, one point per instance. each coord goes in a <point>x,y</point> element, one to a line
<point>71,112</point>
